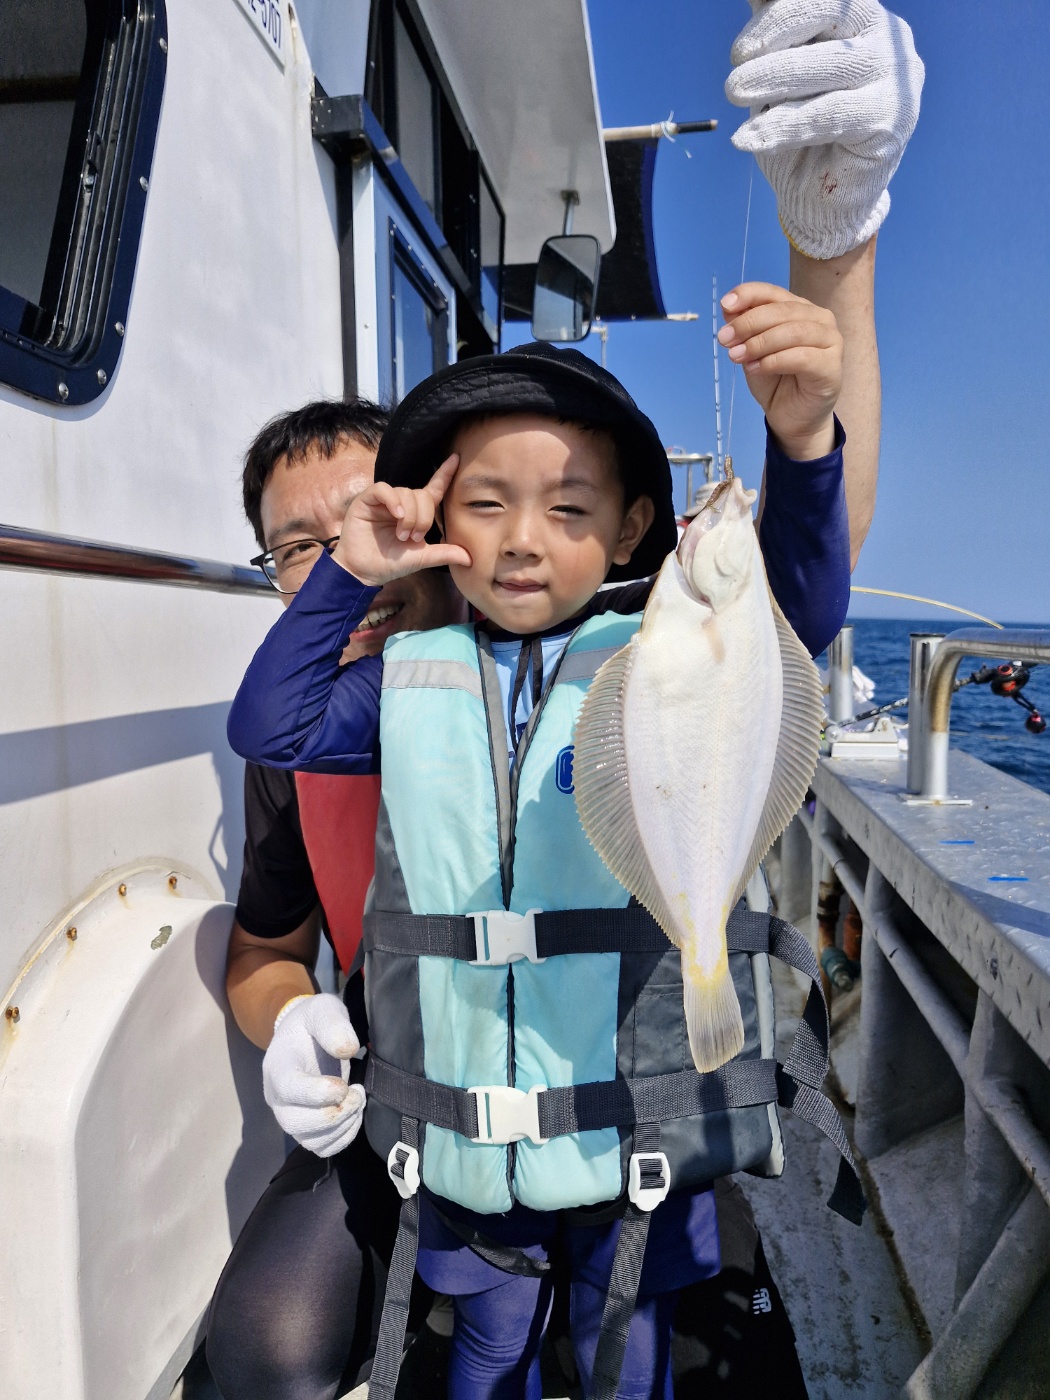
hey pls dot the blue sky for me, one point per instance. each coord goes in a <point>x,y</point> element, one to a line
<point>963,290</point>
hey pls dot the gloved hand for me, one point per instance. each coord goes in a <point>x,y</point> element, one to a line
<point>833,87</point>
<point>305,1074</point>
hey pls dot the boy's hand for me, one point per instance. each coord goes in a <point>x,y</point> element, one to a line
<point>384,533</point>
<point>791,352</point>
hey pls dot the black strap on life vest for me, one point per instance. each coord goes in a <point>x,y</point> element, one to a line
<point>621,1297</point>
<point>581,1108</point>
<point>641,1104</point>
<point>394,1323</point>
<point>626,1103</point>
<point>558,932</point>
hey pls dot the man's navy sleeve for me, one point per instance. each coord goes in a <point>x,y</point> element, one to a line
<point>295,707</point>
<point>804,533</point>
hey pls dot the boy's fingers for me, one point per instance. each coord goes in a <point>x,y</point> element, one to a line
<point>788,335</point>
<point>442,478</point>
<point>761,318</point>
<point>434,556</point>
<point>797,360</point>
<point>749,294</point>
<point>386,496</point>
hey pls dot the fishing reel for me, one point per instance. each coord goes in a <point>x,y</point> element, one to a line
<point>1009,680</point>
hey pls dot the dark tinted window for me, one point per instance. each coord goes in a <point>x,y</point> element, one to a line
<point>415,115</point>
<point>41,53</point>
<point>80,88</point>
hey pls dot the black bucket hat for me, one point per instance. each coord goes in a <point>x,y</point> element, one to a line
<point>538,379</point>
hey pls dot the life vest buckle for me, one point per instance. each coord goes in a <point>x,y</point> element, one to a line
<point>501,937</point>
<point>402,1165</point>
<point>508,1115</point>
<point>648,1179</point>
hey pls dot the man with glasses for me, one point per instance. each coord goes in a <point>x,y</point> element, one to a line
<point>293,1312</point>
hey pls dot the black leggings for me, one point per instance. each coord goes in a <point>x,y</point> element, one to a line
<point>296,1311</point>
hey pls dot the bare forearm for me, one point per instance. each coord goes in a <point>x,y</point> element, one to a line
<point>260,979</point>
<point>846,286</point>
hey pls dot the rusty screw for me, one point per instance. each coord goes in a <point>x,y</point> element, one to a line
<point>173,880</point>
<point>122,889</point>
<point>13,1014</point>
<point>71,934</point>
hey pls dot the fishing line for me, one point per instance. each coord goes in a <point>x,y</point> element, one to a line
<point>933,602</point>
<point>743,266</point>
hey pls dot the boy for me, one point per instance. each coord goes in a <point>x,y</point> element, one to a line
<point>544,481</point>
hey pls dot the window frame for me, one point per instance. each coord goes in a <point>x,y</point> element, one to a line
<point>100,211</point>
<point>403,255</point>
<point>462,244</point>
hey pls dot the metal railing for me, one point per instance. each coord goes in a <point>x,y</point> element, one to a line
<point>1013,643</point>
<point>41,552</point>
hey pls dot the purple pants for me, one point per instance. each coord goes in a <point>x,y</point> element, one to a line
<point>500,1317</point>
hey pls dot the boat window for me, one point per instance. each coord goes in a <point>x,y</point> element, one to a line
<point>420,323</point>
<point>415,115</point>
<point>78,81</point>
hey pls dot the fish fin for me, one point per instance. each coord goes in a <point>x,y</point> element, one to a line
<point>602,786</point>
<point>712,1017</point>
<point>801,719</point>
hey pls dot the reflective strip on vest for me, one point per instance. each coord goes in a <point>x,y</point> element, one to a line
<point>440,795</point>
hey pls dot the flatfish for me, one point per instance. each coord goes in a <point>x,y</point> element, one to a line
<point>694,748</point>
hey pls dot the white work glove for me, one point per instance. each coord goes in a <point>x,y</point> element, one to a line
<point>833,87</point>
<point>305,1074</point>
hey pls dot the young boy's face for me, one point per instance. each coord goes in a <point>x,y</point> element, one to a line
<point>538,506</point>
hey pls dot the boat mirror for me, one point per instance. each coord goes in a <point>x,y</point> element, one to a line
<point>565,288</point>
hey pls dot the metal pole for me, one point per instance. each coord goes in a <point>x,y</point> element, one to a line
<point>923,647</point>
<point>840,675</point>
<point>1014,643</point>
<point>718,402</point>
<point>655,130</point>
<point>41,552</point>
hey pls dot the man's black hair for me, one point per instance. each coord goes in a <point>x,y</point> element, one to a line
<point>324,424</point>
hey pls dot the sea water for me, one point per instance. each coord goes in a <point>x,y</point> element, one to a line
<point>991,727</point>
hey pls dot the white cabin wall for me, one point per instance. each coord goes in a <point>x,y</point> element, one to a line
<point>113,695</point>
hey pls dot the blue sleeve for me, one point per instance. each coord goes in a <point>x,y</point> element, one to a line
<point>295,707</point>
<point>804,533</point>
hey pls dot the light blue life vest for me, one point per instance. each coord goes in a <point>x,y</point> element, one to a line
<point>527,1038</point>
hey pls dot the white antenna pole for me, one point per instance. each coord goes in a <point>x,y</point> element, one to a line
<point>718,401</point>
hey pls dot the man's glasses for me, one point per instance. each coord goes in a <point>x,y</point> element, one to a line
<point>287,566</point>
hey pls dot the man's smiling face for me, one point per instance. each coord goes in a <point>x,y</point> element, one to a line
<point>307,499</point>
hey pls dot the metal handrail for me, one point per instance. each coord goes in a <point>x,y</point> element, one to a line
<point>1008,643</point>
<point>41,552</point>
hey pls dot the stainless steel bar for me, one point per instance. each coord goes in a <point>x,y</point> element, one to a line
<point>1012,643</point>
<point>40,552</point>
<point>654,130</point>
<point>842,868</point>
<point>923,648</point>
<point>840,676</point>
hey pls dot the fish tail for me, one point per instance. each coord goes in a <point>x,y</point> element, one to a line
<point>712,1017</point>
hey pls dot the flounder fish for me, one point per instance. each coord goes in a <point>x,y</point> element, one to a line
<point>694,748</point>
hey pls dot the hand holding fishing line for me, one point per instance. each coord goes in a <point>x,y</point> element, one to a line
<point>791,353</point>
<point>833,87</point>
<point>385,529</point>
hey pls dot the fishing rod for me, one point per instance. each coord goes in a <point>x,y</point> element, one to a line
<point>1007,680</point>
